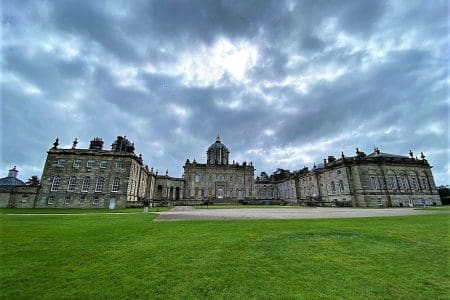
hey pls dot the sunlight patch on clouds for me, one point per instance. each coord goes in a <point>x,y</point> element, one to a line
<point>231,105</point>
<point>128,76</point>
<point>207,66</point>
<point>20,84</point>
<point>269,132</point>
<point>64,47</point>
<point>179,111</point>
<point>436,128</point>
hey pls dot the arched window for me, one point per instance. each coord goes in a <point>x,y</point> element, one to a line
<point>85,184</point>
<point>72,184</point>
<point>99,185</point>
<point>55,183</point>
<point>115,185</point>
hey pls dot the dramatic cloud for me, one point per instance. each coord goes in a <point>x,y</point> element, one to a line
<point>285,83</point>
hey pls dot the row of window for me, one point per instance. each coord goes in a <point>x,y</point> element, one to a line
<point>103,164</point>
<point>333,186</point>
<point>68,200</point>
<point>219,192</point>
<point>400,183</point>
<point>220,177</point>
<point>85,184</point>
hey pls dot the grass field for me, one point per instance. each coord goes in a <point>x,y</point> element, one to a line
<point>129,256</point>
<point>78,210</point>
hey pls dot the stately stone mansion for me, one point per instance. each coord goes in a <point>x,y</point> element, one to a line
<point>118,178</point>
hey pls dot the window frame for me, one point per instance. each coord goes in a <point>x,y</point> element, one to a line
<point>24,198</point>
<point>50,200</point>
<point>56,182</point>
<point>72,184</point>
<point>76,164</point>
<point>100,184</point>
<point>90,164</point>
<point>115,187</point>
<point>374,183</point>
<point>85,184</point>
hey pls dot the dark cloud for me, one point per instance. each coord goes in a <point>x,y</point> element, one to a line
<point>285,83</point>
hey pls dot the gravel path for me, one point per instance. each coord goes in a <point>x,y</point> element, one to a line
<point>189,213</point>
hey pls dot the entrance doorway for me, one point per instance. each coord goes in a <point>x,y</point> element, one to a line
<point>220,193</point>
<point>112,203</point>
<point>177,193</point>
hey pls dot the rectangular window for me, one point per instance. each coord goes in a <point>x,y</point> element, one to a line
<point>60,163</point>
<point>90,164</point>
<point>82,199</point>
<point>50,200</point>
<point>103,164</point>
<point>414,183</point>
<point>116,185</point>
<point>67,200</point>
<point>95,201</point>
<point>24,198</point>
<point>403,183</point>
<point>341,186</point>
<point>118,165</point>
<point>76,164</point>
<point>72,184</point>
<point>333,187</point>
<point>55,183</point>
<point>85,184</point>
<point>99,185</point>
<point>374,183</point>
<point>392,183</point>
<point>424,184</point>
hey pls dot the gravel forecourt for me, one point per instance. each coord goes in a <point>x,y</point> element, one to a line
<point>189,213</point>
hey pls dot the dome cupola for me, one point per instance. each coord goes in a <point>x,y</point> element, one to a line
<point>217,153</point>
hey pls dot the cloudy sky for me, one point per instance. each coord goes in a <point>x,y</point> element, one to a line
<point>285,83</point>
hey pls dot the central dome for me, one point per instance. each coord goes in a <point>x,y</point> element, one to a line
<point>218,153</point>
<point>218,144</point>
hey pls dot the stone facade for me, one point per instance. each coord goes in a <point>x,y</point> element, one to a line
<point>16,193</point>
<point>93,178</point>
<point>377,180</point>
<point>117,178</point>
<point>280,187</point>
<point>219,181</point>
<point>168,189</point>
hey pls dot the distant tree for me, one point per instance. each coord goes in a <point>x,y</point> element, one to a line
<point>444,193</point>
<point>34,180</point>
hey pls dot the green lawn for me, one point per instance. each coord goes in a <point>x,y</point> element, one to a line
<point>77,210</point>
<point>129,256</point>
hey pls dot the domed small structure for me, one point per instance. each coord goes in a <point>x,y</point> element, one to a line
<point>217,153</point>
<point>11,180</point>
